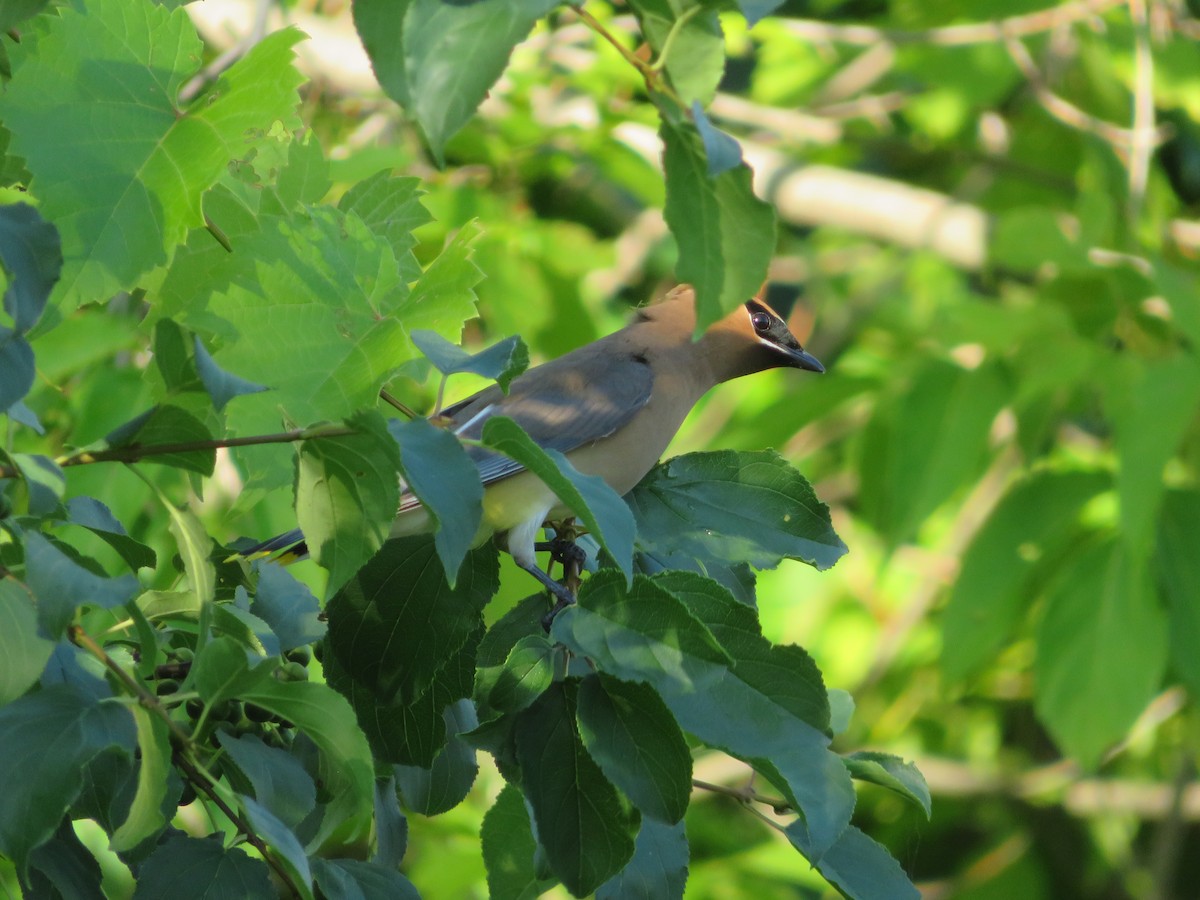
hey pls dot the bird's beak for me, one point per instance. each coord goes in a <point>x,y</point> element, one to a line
<point>802,359</point>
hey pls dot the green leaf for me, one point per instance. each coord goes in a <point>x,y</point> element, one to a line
<point>695,58</point>
<point>439,60</point>
<point>1101,651</point>
<point>145,814</point>
<point>726,235</point>
<point>442,786</point>
<point>194,549</point>
<point>707,511</point>
<point>605,514</point>
<point>32,257</point>
<point>43,481</point>
<point>1178,568</point>
<point>222,386</point>
<point>1024,536</point>
<point>48,737</point>
<point>860,868</point>
<point>60,585</point>
<point>391,827</point>
<point>23,651</point>
<point>647,634</point>
<point>288,606</point>
<point>444,297</point>
<point>893,773</point>
<point>501,362</point>
<point>278,778</point>
<point>14,11</point>
<point>581,825</point>
<point>912,461</point>
<point>63,866</point>
<point>16,368</point>
<point>391,208</point>
<point>168,424</point>
<point>347,494</point>
<point>115,71</point>
<point>381,623</point>
<point>519,680</point>
<point>632,736</point>
<point>288,852</point>
<point>346,769</point>
<point>1151,416</point>
<point>509,848</point>
<point>722,151</point>
<point>353,879</point>
<point>659,868</point>
<point>222,670</point>
<point>97,518</point>
<point>188,868</point>
<point>438,471</point>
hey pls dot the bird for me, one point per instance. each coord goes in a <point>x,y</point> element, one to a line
<point>611,406</point>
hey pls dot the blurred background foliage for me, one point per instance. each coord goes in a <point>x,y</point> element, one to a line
<point>989,238</point>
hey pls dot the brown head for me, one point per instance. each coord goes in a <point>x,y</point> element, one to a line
<point>750,339</point>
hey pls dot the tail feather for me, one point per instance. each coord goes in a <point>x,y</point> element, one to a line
<point>290,547</point>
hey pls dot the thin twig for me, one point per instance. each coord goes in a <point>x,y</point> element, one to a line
<point>743,795</point>
<point>1122,139</point>
<point>181,749</point>
<point>389,399</point>
<point>952,35</point>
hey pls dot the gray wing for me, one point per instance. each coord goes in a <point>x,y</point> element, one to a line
<point>563,404</point>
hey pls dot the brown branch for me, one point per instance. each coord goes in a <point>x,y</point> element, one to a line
<point>952,35</point>
<point>181,750</point>
<point>136,452</point>
<point>744,795</point>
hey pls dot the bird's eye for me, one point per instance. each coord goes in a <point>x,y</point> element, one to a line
<point>761,322</point>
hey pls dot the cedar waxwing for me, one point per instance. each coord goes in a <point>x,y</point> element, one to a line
<point>611,406</point>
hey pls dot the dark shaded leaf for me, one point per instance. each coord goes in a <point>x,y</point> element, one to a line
<point>353,879</point>
<point>659,868</point>
<point>860,868</point>
<point>32,255</point>
<point>893,773</point>
<point>288,606</point>
<point>186,868</point>
<point>60,585</point>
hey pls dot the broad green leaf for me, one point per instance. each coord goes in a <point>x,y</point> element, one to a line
<point>97,518</point>
<point>1024,536</point>
<point>222,670</point>
<point>647,634</point>
<point>23,650</point>
<point>14,11</point>
<point>115,70</point>
<point>347,493</point>
<point>1101,651</point>
<point>581,825</point>
<point>16,368</point>
<point>444,296</point>
<point>391,207</point>
<point>605,514</point>
<point>145,814</point>
<point>397,622</point>
<point>713,510</point>
<point>438,471</point>
<point>632,736</point>
<point>346,770</point>
<point>32,257</point>
<point>63,866</point>
<point>513,685</point>
<point>48,737</point>
<point>283,841</point>
<point>439,60</point>
<point>726,235</point>
<point>509,848</point>
<point>443,785</point>
<point>695,57</point>
<point>43,482</point>
<point>722,151</point>
<point>322,287</point>
<point>168,424</point>
<point>1177,560</point>
<point>60,585</point>
<point>221,386</point>
<point>893,773</point>
<point>659,868</point>
<point>912,462</point>
<point>391,827</point>
<point>187,868</point>
<point>754,10</point>
<point>173,358</point>
<point>288,606</point>
<point>859,867</point>
<point>501,362</point>
<point>409,733</point>
<point>195,547</point>
<point>278,778</point>
<point>1151,415</point>
<point>353,879</point>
